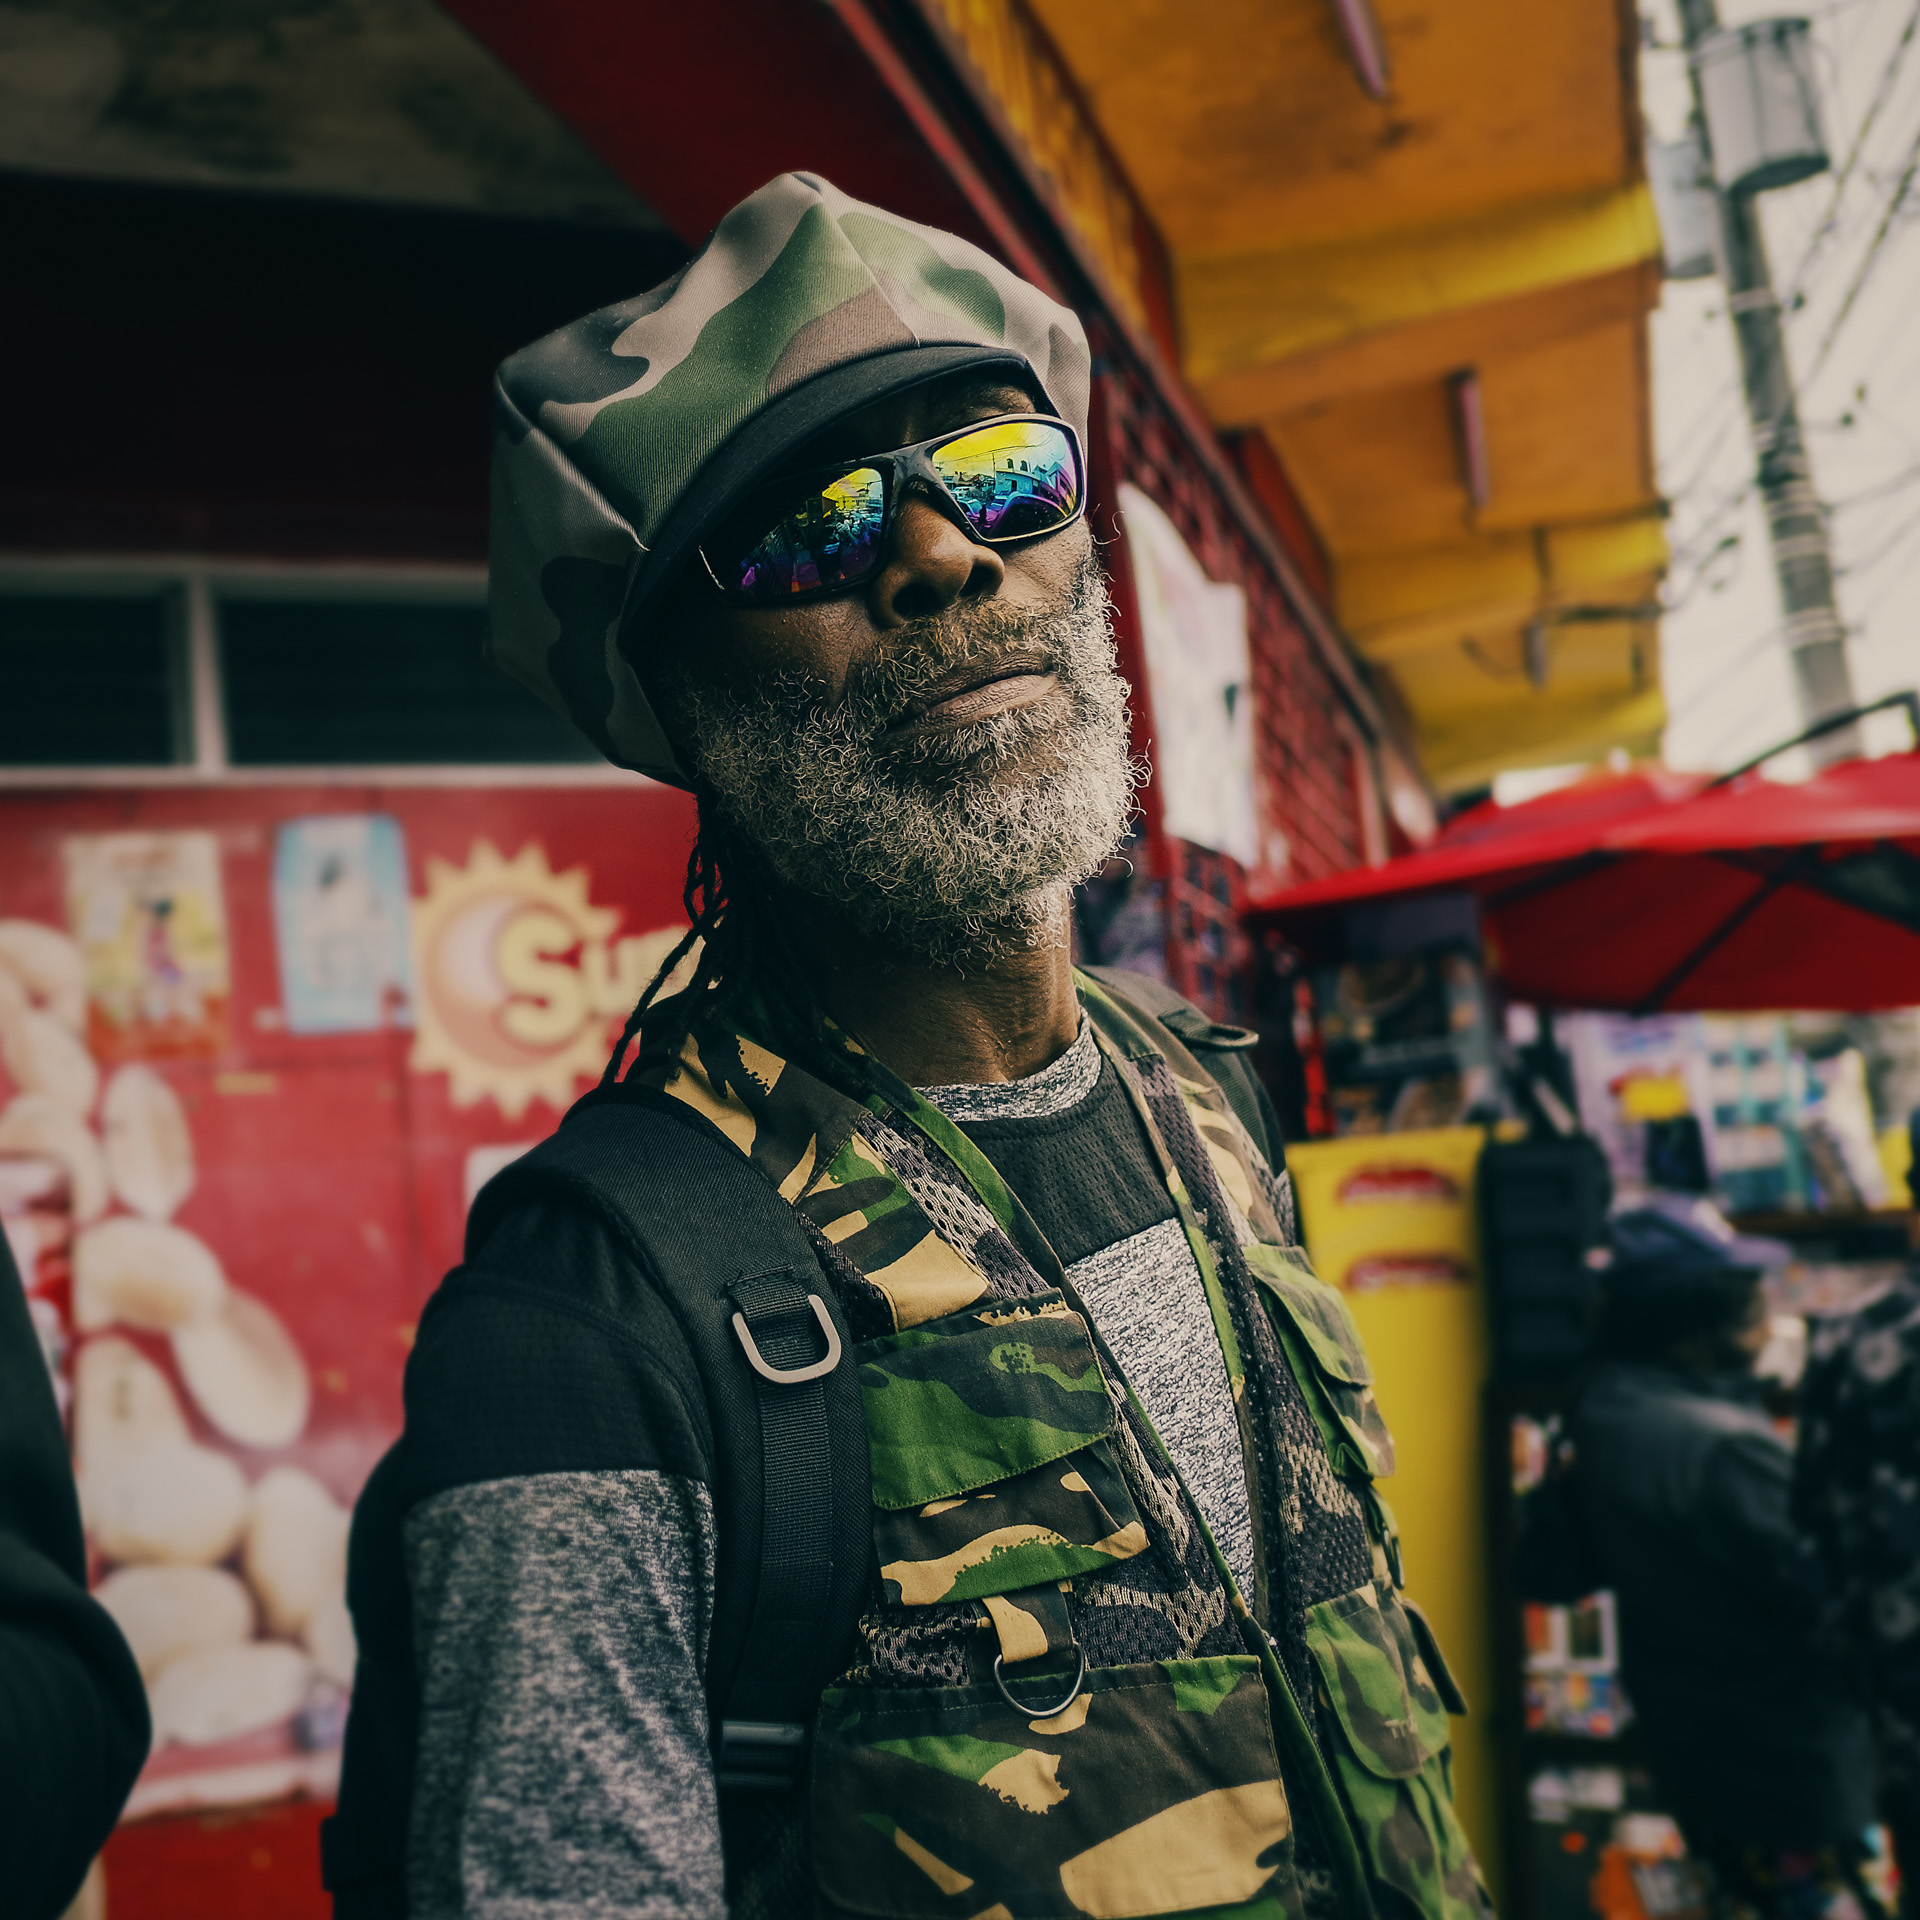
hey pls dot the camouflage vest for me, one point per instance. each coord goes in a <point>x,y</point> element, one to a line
<point>1034,1542</point>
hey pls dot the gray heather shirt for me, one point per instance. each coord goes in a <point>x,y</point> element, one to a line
<point>1146,1296</point>
<point>561,1620</point>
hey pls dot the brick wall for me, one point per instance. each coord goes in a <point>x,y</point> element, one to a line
<point>1305,738</point>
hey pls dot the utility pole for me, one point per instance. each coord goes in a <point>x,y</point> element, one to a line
<point>1796,526</point>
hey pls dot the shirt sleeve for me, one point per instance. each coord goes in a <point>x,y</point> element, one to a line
<point>560,1628</point>
<point>73,1712</point>
<point>558,1549</point>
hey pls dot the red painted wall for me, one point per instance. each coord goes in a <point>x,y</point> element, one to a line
<point>330,1179</point>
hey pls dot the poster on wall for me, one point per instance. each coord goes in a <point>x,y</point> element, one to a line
<point>150,919</point>
<point>340,921</point>
<point>223,1561</point>
<point>227,1250</point>
<point>1194,634</point>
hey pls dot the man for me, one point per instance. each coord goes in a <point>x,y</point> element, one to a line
<point>1683,1483</point>
<point>73,1713</point>
<point>1856,1498</point>
<point>1113,1631</point>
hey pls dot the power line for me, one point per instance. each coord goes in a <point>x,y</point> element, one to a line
<point>1880,490</point>
<point>1711,520</point>
<point>1714,419</point>
<point>1859,569</point>
<point>1737,497</point>
<point>1872,254</point>
<point>1894,581</point>
<point>1796,284</point>
<point>1715,689</point>
<point>1839,228</point>
<point>1726,422</point>
<point>1747,715</point>
<point>1699,550</point>
<point>1683,596</point>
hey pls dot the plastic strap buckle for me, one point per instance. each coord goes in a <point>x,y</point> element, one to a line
<point>759,1756</point>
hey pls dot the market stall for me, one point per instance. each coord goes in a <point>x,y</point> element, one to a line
<point>1594,981</point>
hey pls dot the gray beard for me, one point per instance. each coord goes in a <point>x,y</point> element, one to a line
<point>917,842</point>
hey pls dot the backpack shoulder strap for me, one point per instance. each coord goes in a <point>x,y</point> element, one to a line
<point>1223,1050</point>
<point>793,1487</point>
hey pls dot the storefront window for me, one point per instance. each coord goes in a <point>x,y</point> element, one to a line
<point>91,680</point>
<point>366,683</point>
<point>185,672</point>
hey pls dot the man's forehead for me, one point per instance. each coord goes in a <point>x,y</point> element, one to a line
<point>919,414</point>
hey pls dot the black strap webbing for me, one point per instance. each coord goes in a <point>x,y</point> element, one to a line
<point>795,1508</point>
<point>796,1489</point>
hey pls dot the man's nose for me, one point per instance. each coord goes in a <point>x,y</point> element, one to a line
<point>930,564</point>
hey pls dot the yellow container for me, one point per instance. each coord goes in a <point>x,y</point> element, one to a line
<point>1390,1220</point>
<point>1896,1159</point>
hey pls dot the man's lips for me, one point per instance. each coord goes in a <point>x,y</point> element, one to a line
<point>978,695</point>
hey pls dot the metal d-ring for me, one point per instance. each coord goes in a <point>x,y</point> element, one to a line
<point>792,1376</point>
<point>1041,1713</point>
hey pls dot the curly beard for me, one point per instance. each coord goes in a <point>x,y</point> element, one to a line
<point>956,845</point>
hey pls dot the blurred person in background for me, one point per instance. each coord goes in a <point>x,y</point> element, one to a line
<point>1684,1487</point>
<point>73,1711</point>
<point>1856,1498</point>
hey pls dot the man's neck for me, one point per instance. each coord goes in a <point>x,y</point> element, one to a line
<point>938,1026</point>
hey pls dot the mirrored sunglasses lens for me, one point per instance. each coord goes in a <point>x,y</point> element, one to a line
<point>825,539</point>
<point>1013,478</point>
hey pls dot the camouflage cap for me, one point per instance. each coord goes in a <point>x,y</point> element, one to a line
<point>621,437</point>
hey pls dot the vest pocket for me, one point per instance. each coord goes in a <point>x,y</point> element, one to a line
<point>1391,1753</point>
<point>1377,1683</point>
<point>1317,1327</point>
<point>1156,1792</point>
<point>991,1467</point>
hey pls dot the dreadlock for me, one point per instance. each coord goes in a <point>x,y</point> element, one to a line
<point>727,928</point>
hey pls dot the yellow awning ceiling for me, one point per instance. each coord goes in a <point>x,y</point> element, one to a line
<point>1337,259</point>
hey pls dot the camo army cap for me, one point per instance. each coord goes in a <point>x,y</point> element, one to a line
<point>621,437</point>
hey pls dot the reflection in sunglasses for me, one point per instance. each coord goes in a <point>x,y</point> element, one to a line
<point>829,537</point>
<point>1009,479</point>
<point>1012,479</point>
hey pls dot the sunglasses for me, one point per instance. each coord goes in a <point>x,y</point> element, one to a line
<point>1008,479</point>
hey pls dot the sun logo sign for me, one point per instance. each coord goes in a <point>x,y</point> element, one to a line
<point>520,979</point>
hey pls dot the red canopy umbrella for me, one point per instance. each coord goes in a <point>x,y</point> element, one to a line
<point>1655,891</point>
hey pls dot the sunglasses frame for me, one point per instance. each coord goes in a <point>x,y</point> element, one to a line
<point>897,468</point>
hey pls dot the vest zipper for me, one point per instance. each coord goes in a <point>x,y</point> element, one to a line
<point>1331,1812</point>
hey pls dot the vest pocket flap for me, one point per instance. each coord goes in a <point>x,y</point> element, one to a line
<point>977,1398</point>
<point>1377,1683</point>
<point>1156,1792</point>
<point>1323,1318</point>
<point>1072,1516</point>
<point>1312,1315</point>
<point>1438,1671</point>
